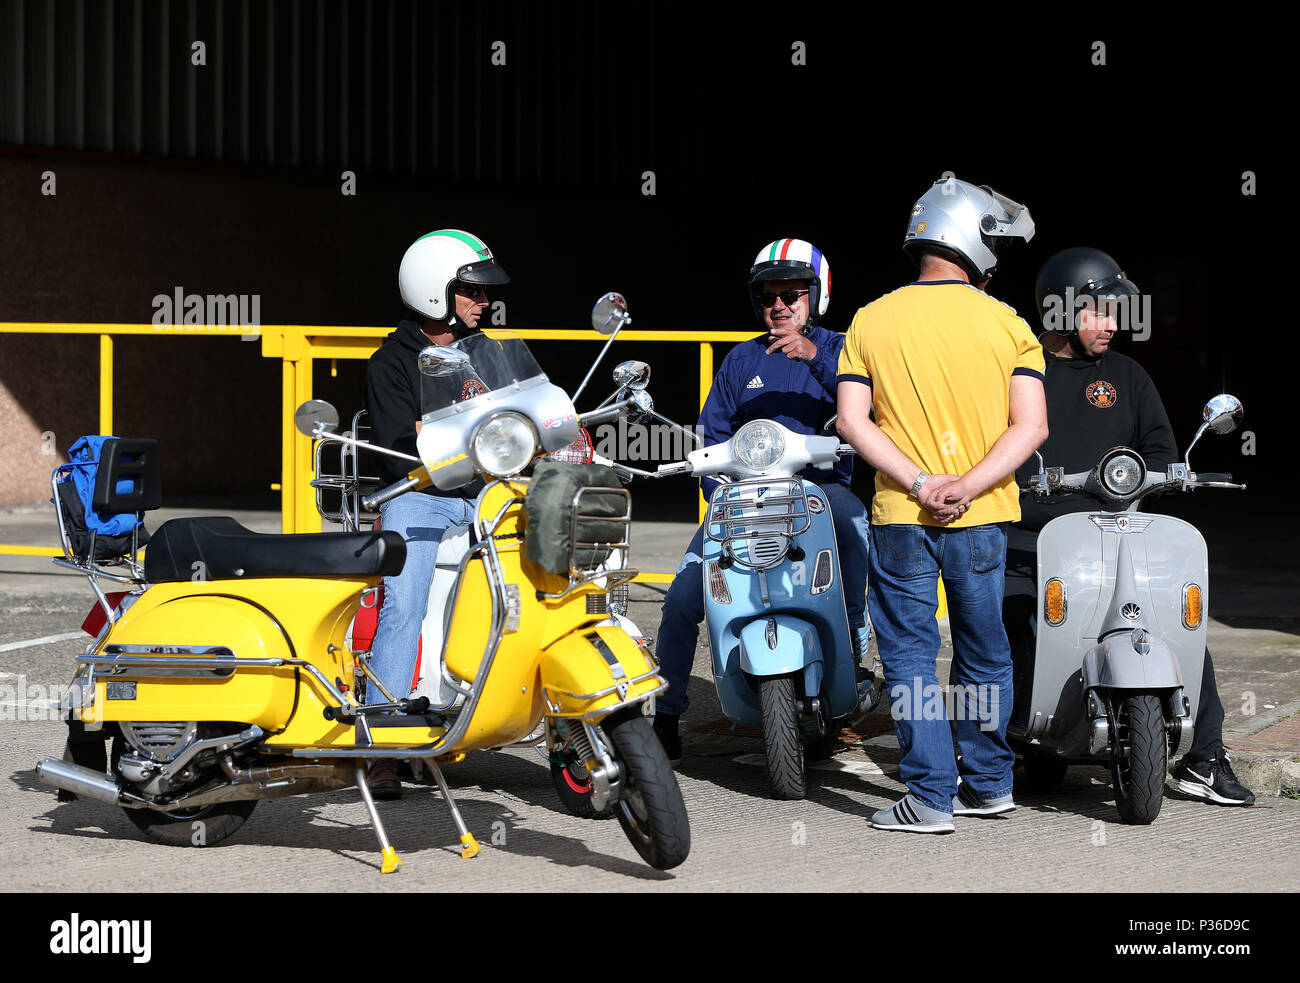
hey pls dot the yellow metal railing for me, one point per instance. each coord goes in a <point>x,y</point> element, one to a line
<point>298,347</point>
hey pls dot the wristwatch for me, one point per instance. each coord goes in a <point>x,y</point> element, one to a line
<point>916,485</point>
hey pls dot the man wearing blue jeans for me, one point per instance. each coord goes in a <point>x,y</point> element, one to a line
<point>443,279</point>
<point>945,367</point>
<point>788,375</point>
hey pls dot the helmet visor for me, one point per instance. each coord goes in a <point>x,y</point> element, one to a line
<point>782,269</point>
<point>1117,287</point>
<point>487,272</point>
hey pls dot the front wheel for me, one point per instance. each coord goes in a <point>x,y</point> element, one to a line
<point>651,810</point>
<point>573,785</point>
<point>782,742</point>
<point>1140,757</point>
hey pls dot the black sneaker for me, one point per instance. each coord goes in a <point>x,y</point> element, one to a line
<point>1212,781</point>
<point>665,727</point>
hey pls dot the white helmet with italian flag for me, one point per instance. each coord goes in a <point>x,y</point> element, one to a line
<point>792,259</point>
<point>434,264</point>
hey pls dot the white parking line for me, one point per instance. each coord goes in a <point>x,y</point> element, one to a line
<point>66,636</point>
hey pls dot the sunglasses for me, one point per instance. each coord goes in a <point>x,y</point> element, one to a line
<point>471,291</point>
<point>788,297</point>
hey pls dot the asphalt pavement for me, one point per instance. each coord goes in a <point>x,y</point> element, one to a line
<point>742,840</point>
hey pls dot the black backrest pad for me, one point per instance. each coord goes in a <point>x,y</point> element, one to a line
<point>133,463</point>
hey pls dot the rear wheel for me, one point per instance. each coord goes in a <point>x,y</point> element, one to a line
<point>782,742</point>
<point>651,810</point>
<point>202,826</point>
<point>1140,758</point>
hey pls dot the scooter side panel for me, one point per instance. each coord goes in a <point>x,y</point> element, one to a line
<point>262,696</point>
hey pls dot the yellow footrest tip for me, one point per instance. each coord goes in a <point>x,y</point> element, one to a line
<point>469,846</point>
<point>391,861</point>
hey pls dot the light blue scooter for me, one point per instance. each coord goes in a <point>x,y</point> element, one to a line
<point>783,658</point>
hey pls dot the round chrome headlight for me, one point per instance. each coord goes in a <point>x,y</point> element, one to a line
<point>1121,472</point>
<point>503,445</point>
<point>759,445</point>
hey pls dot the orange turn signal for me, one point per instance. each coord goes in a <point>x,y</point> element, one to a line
<point>1054,602</point>
<point>1192,608</point>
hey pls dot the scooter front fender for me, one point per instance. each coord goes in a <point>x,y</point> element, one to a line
<point>779,645</point>
<point>1115,664</point>
<point>595,671</point>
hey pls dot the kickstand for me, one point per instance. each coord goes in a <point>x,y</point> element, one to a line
<point>390,860</point>
<point>469,845</point>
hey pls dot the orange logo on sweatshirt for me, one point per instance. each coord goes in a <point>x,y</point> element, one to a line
<point>1101,393</point>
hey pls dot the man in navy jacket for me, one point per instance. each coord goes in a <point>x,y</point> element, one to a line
<point>787,374</point>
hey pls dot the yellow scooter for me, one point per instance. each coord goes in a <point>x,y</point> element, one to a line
<point>239,685</point>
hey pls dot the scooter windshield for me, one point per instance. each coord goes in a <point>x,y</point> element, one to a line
<point>498,359</point>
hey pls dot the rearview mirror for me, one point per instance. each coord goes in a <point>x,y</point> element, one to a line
<point>440,360</point>
<point>632,374</point>
<point>1223,413</point>
<point>610,313</point>
<point>315,413</point>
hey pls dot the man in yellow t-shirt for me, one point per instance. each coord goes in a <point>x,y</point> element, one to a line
<point>956,382</point>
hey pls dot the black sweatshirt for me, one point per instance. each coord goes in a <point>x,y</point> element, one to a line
<point>1093,404</point>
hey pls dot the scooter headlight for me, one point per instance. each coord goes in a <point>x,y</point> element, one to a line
<point>1121,472</point>
<point>759,445</point>
<point>503,445</point>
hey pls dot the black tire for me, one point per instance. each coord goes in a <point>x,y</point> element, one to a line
<point>573,786</point>
<point>782,742</point>
<point>219,821</point>
<point>1139,776</point>
<point>1044,773</point>
<point>651,810</point>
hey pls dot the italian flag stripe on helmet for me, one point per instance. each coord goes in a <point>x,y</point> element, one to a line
<point>475,244</point>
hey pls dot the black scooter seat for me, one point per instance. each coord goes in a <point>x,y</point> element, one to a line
<point>219,548</point>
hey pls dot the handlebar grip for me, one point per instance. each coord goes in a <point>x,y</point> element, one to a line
<point>596,417</point>
<point>1213,476</point>
<point>372,502</point>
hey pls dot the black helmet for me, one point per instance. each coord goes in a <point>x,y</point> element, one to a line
<point>1071,275</point>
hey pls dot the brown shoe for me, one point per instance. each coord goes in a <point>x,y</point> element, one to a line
<point>382,778</point>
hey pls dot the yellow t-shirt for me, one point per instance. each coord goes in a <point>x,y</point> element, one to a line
<point>939,356</point>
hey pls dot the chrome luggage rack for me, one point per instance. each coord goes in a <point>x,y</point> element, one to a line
<point>766,514</point>
<point>88,566</point>
<point>352,485</point>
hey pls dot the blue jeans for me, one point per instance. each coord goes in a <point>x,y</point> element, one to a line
<point>421,520</point>
<point>679,627</point>
<point>906,562</point>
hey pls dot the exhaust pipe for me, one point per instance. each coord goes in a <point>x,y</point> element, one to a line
<point>78,780</point>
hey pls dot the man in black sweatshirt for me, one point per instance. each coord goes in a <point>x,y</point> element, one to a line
<point>443,279</point>
<point>1098,399</point>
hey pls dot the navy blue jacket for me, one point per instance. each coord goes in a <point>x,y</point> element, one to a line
<point>753,385</point>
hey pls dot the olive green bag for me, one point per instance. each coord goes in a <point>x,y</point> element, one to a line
<point>548,509</point>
